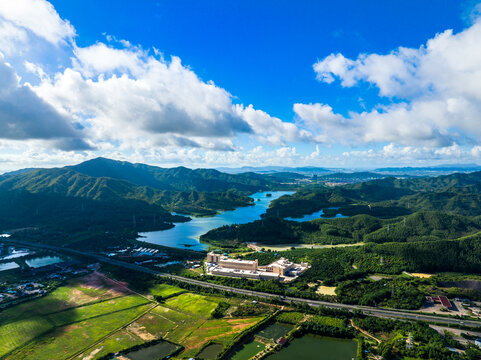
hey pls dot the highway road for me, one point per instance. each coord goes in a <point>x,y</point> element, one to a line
<point>373,311</point>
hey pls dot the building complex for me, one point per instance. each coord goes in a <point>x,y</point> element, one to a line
<point>282,269</point>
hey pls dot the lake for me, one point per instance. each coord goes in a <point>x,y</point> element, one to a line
<point>316,215</point>
<point>317,347</point>
<point>43,261</point>
<point>186,235</point>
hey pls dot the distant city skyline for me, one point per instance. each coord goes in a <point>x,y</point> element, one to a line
<point>241,83</point>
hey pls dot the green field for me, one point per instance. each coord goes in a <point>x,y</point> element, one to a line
<point>18,333</point>
<point>192,303</point>
<point>101,308</point>
<point>68,340</point>
<point>165,290</point>
<point>81,321</point>
<point>118,341</point>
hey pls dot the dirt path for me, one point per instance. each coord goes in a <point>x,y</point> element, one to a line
<point>365,332</point>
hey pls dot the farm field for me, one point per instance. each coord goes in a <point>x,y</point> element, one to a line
<point>165,290</point>
<point>93,316</point>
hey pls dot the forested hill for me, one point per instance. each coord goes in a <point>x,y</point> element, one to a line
<point>175,179</point>
<point>64,199</point>
<point>389,197</point>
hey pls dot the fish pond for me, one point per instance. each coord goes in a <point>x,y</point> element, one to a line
<point>210,352</point>
<point>154,352</point>
<point>317,347</point>
<point>248,350</point>
<point>43,261</point>
<point>8,266</point>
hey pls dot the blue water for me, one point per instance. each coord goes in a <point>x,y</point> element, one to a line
<point>186,235</point>
<point>8,266</point>
<point>43,261</point>
<point>316,215</point>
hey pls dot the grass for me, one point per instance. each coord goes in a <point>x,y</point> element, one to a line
<point>194,304</point>
<point>101,308</point>
<point>68,340</point>
<point>152,326</point>
<point>18,333</point>
<point>165,290</point>
<point>290,317</point>
<point>91,322</point>
<point>62,298</point>
<point>327,320</point>
<point>194,335</point>
<point>121,340</point>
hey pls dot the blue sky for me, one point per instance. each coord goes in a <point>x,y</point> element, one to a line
<point>216,83</point>
<point>262,51</point>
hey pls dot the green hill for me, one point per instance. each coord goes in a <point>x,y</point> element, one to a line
<point>62,198</point>
<point>174,179</point>
<point>389,197</point>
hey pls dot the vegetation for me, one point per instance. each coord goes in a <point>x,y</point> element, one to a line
<point>420,226</point>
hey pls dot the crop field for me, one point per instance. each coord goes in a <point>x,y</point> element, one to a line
<point>93,316</point>
<point>20,332</point>
<point>165,290</point>
<point>194,304</point>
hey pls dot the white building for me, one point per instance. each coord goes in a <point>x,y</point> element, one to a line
<point>281,269</point>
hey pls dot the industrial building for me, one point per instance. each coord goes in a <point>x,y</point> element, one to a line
<point>282,269</point>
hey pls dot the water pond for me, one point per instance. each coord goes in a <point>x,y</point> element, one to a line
<point>43,261</point>
<point>8,266</point>
<point>317,347</point>
<point>186,235</point>
<point>248,350</point>
<point>210,352</point>
<point>154,352</point>
<point>14,253</point>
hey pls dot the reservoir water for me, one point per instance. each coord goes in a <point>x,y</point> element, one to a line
<point>316,215</point>
<point>186,235</point>
<point>317,347</point>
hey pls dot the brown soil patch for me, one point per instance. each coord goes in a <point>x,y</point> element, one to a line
<point>97,280</point>
<point>140,331</point>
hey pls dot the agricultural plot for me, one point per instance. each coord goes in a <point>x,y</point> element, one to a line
<point>118,341</point>
<point>89,318</point>
<point>165,290</point>
<point>92,288</point>
<point>98,309</point>
<point>21,332</point>
<point>69,340</point>
<point>192,303</point>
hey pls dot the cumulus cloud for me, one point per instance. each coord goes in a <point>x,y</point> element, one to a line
<point>37,16</point>
<point>24,116</point>
<point>269,129</point>
<point>436,87</point>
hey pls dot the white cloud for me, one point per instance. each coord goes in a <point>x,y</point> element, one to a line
<point>269,129</point>
<point>24,116</point>
<point>38,17</point>
<point>439,85</point>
